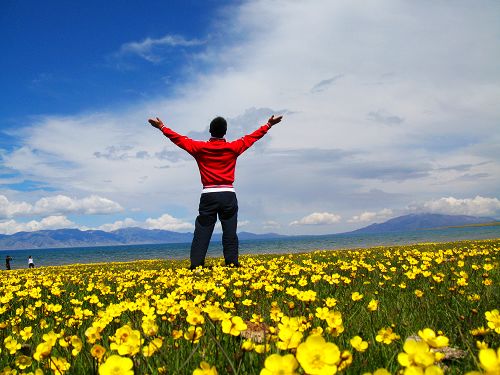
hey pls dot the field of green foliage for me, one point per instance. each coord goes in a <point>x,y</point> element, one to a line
<point>417,309</point>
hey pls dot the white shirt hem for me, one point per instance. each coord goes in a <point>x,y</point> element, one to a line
<point>217,189</point>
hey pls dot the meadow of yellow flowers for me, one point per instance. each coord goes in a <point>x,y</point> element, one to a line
<point>417,309</point>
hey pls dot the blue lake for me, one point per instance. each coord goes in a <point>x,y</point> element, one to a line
<point>79,255</point>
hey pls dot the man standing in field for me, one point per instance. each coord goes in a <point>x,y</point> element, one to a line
<point>216,160</point>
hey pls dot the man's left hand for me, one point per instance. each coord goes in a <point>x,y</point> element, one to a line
<point>274,120</point>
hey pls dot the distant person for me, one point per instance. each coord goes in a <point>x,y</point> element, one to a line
<point>7,262</point>
<point>31,264</point>
<point>216,160</point>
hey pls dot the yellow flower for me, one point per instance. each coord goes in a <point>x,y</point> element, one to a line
<point>432,340</point>
<point>23,361</point>
<point>386,335</point>
<point>276,364</point>
<point>149,326</point>
<point>493,318</point>
<point>177,334</point>
<point>193,334</point>
<point>322,312</point>
<point>481,345</point>
<point>431,370</point>
<point>233,326</point>
<point>316,356</point>
<point>93,334</point>
<point>126,341</point>
<point>373,305</point>
<point>356,296</point>
<point>330,302</point>
<point>289,337</point>
<point>50,338</point>
<point>77,344</point>
<point>334,319</point>
<point>479,331</point>
<point>419,293</point>
<point>358,344</point>
<point>195,317</point>
<point>205,369</point>
<point>42,351</point>
<point>306,296</point>
<point>215,313</point>
<point>248,345</point>
<point>262,348</point>
<point>116,365</point>
<point>11,344</point>
<point>488,267</point>
<point>380,371</point>
<point>417,353</point>
<point>59,365</point>
<point>26,333</point>
<point>152,347</point>
<point>97,352</point>
<point>345,360</point>
<point>490,361</point>
<point>63,343</point>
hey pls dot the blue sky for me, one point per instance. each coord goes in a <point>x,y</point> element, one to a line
<point>65,57</point>
<point>390,108</point>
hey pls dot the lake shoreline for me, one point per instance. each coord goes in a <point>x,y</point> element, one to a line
<point>211,258</point>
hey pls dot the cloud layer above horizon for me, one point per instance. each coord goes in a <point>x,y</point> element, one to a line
<point>389,108</point>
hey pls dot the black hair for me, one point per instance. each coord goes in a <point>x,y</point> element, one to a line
<point>218,127</point>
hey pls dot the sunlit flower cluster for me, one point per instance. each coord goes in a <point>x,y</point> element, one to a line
<point>383,310</point>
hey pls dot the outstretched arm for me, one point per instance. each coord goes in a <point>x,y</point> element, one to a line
<point>247,141</point>
<point>182,141</point>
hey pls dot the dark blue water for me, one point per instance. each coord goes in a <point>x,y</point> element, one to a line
<point>80,255</point>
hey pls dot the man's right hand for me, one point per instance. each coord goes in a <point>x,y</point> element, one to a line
<point>273,121</point>
<point>156,123</point>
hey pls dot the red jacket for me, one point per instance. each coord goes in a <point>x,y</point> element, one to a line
<point>216,157</point>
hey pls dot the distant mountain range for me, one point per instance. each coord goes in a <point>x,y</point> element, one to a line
<point>422,221</point>
<point>135,236</point>
<point>58,238</point>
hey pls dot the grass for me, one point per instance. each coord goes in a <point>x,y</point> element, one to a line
<point>489,224</point>
<point>166,319</point>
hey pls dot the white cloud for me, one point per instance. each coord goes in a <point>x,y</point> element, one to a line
<point>119,224</point>
<point>318,218</point>
<point>164,222</point>
<point>10,209</point>
<point>91,205</point>
<point>363,217</point>
<point>150,48</point>
<point>168,222</point>
<point>478,206</point>
<point>243,223</point>
<point>59,204</point>
<point>371,216</point>
<point>271,224</point>
<point>50,222</point>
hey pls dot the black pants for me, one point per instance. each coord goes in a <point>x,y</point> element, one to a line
<point>225,205</point>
